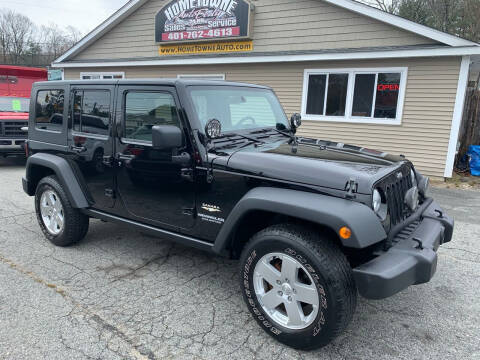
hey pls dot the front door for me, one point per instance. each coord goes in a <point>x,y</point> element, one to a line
<point>153,185</point>
<point>90,140</point>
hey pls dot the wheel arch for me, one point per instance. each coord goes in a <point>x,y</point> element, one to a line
<point>262,207</point>
<point>41,165</point>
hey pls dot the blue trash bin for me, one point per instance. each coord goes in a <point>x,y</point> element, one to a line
<point>474,154</point>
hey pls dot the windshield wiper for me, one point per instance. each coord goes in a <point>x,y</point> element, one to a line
<point>266,131</point>
<point>236,142</point>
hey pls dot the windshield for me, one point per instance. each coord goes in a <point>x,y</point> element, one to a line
<point>14,104</point>
<point>238,108</point>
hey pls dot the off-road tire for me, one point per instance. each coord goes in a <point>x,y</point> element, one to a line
<point>75,223</point>
<point>328,267</point>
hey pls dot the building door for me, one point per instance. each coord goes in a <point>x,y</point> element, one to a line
<point>152,184</point>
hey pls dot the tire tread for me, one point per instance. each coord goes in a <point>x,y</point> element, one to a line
<point>327,252</point>
<point>76,224</point>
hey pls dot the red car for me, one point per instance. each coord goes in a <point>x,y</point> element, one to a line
<point>15,88</point>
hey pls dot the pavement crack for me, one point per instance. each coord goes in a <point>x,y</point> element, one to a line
<point>17,215</point>
<point>462,250</point>
<point>144,355</point>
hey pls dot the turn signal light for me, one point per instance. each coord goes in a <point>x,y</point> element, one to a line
<point>345,233</point>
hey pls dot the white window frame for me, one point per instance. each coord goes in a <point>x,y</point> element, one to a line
<point>348,118</point>
<point>102,74</point>
<point>202,76</point>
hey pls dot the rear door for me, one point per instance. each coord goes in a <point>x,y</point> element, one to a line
<point>154,187</point>
<point>90,139</point>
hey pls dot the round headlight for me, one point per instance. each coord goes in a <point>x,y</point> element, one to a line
<point>414,178</point>
<point>377,201</point>
<point>411,198</point>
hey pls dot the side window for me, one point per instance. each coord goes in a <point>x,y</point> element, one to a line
<point>144,110</point>
<point>49,110</point>
<point>91,111</point>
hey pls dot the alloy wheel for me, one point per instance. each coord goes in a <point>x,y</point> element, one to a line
<point>52,213</point>
<point>286,291</point>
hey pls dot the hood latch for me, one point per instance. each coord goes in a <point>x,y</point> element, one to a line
<point>352,189</point>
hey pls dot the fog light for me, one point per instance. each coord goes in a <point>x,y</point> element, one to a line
<point>345,233</point>
<point>412,198</point>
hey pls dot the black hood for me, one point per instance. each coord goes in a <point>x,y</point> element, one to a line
<point>324,164</point>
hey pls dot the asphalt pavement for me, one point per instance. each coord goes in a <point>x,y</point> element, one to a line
<point>120,294</point>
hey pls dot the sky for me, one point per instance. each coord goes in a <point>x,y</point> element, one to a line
<point>85,15</point>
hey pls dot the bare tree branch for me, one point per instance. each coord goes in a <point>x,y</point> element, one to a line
<point>21,41</point>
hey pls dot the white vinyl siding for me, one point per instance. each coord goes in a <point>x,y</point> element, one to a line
<point>202,76</point>
<point>278,25</point>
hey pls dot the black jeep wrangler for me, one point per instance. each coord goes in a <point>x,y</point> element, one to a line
<point>217,166</point>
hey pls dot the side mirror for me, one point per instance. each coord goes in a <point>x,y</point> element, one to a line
<point>295,121</point>
<point>165,137</point>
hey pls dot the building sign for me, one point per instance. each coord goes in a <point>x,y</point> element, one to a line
<point>55,75</point>
<point>200,20</point>
<point>206,48</point>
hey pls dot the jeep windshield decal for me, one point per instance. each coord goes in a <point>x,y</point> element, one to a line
<point>238,108</point>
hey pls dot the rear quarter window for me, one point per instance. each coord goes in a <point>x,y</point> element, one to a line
<point>49,107</point>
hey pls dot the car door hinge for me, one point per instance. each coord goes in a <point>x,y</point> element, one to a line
<point>108,160</point>
<point>110,193</point>
<point>352,189</point>
<point>187,174</point>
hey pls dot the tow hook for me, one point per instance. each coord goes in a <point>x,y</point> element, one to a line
<point>440,213</point>
<point>420,243</point>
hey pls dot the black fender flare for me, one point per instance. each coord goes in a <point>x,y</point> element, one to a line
<point>64,173</point>
<point>329,211</point>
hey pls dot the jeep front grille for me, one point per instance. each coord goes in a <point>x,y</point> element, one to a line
<point>395,187</point>
<point>13,129</point>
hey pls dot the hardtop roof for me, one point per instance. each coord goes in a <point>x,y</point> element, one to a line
<point>151,82</point>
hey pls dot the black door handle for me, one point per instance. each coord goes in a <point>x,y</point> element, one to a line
<point>78,149</point>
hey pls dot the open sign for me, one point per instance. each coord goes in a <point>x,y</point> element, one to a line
<point>388,87</point>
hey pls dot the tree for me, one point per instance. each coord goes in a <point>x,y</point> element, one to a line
<point>22,43</point>
<point>56,41</point>
<point>390,6</point>
<point>4,36</point>
<point>470,24</point>
<point>19,30</point>
<point>457,17</point>
<point>415,10</point>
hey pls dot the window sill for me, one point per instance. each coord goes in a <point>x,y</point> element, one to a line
<point>352,120</point>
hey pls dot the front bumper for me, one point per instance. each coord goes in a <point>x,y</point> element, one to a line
<point>412,260</point>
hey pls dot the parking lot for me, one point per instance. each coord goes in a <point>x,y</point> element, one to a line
<point>123,295</point>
